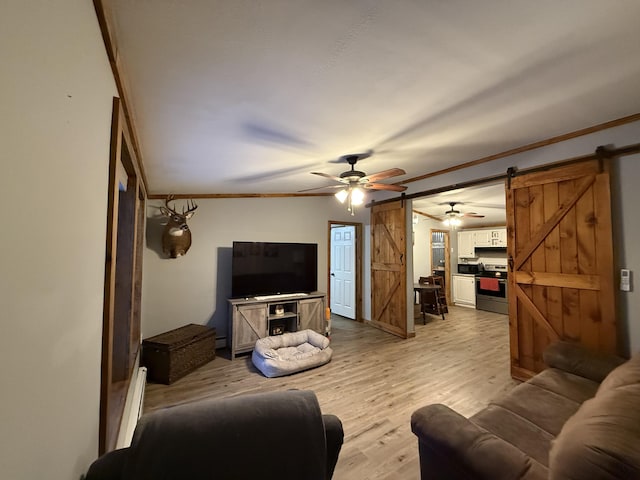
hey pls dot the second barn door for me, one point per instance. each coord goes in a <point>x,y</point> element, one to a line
<point>561,279</point>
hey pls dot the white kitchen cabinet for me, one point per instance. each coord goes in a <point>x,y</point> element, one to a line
<point>499,237</point>
<point>464,290</point>
<point>466,244</point>
<point>491,238</point>
<point>482,238</point>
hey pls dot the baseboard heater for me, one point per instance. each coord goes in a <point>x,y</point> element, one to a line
<point>133,409</point>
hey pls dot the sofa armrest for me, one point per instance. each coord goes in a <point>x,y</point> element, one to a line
<point>334,436</point>
<point>453,447</point>
<point>109,466</point>
<point>575,358</point>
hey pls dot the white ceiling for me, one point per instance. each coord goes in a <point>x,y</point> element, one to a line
<point>248,96</point>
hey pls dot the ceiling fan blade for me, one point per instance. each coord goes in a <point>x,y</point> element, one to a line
<point>392,172</point>
<point>385,186</point>
<point>331,177</point>
<point>472,215</point>
<point>320,188</point>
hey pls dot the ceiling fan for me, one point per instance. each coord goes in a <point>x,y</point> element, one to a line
<point>353,181</point>
<point>356,178</point>
<point>452,217</point>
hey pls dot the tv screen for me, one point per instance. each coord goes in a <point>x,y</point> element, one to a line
<point>270,268</point>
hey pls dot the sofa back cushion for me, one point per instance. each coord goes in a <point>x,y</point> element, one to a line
<point>277,434</point>
<point>601,440</point>
<point>626,374</point>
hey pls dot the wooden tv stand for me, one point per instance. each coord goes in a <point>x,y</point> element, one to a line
<point>251,319</point>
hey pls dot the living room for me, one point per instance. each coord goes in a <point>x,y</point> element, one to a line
<point>57,93</point>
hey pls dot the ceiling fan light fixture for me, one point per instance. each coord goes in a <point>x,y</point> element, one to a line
<point>342,195</point>
<point>357,196</point>
<point>452,221</point>
<point>356,182</point>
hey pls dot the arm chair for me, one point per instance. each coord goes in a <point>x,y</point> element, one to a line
<point>268,435</point>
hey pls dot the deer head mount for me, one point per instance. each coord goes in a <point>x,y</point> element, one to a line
<point>176,237</point>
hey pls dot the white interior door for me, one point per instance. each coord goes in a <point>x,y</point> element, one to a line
<point>343,275</point>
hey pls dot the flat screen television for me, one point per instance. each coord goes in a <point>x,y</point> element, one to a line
<point>271,268</point>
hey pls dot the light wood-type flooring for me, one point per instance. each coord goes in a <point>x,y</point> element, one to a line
<point>374,382</point>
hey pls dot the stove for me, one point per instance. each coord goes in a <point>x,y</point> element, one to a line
<point>497,271</point>
<point>491,289</point>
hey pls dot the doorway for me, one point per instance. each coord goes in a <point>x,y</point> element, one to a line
<point>441,258</point>
<point>431,249</point>
<point>345,269</point>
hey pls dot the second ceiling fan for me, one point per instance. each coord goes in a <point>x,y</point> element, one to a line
<point>452,216</point>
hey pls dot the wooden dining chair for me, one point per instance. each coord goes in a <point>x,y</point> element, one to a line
<point>429,304</point>
<point>430,300</point>
<point>442,294</point>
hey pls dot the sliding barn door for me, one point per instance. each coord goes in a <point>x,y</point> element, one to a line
<point>388,268</point>
<point>561,282</point>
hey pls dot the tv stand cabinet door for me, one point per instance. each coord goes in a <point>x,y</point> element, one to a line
<point>311,315</point>
<point>249,324</point>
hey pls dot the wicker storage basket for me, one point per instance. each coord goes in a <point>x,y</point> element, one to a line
<point>172,355</point>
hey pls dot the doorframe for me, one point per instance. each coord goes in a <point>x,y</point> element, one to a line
<point>447,259</point>
<point>358,242</point>
<point>121,322</point>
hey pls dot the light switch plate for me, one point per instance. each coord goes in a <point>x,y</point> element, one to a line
<point>625,280</point>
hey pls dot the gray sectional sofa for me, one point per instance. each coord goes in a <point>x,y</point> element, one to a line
<point>578,419</point>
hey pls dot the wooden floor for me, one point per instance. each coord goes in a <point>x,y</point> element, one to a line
<point>374,382</point>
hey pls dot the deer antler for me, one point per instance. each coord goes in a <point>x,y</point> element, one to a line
<point>191,207</point>
<point>166,204</point>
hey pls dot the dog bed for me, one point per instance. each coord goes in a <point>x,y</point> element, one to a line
<point>291,352</point>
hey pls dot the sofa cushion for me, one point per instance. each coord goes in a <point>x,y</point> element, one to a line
<point>533,413</point>
<point>568,385</point>
<point>518,431</point>
<point>543,408</point>
<point>601,440</point>
<point>575,358</point>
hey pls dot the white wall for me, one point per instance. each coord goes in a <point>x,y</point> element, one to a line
<point>421,253</point>
<point>195,288</point>
<point>422,246</point>
<point>625,201</point>
<point>56,92</point>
